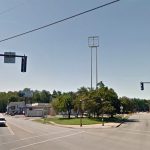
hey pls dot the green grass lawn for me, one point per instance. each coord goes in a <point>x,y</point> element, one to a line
<point>76,121</point>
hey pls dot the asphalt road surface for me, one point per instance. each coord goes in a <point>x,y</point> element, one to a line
<point>24,134</point>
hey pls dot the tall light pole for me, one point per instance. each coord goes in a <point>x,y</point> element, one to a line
<point>91,68</point>
<point>93,42</point>
<point>96,69</point>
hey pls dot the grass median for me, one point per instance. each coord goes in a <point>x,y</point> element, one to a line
<point>76,121</point>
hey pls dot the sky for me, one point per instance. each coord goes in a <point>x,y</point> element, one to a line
<point>59,56</point>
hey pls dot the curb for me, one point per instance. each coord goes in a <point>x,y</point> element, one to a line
<point>84,126</point>
<point>119,124</point>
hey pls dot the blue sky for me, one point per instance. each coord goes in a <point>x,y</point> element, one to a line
<point>59,56</point>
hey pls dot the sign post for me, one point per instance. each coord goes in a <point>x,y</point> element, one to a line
<point>121,110</point>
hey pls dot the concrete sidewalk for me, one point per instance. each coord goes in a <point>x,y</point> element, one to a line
<point>106,125</point>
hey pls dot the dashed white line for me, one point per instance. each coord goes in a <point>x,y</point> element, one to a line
<point>52,139</point>
<point>6,135</point>
<point>26,130</point>
<point>148,131</point>
<point>136,133</point>
<point>32,137</point>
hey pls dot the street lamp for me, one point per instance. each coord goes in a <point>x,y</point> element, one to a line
<point>102,113</point>
<point>80,113</point>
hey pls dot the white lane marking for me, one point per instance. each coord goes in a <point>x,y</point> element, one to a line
<point>32,137</point>
<point>26,130</point>
<point>6,135</point>
<point>134,133</point>
<point>124,132</point>
<point>137,130</point>
<point>52,139</point>
<point>10,130</point>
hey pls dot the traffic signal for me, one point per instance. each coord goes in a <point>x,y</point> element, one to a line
<point>142,86</point>
<point>24,64</point>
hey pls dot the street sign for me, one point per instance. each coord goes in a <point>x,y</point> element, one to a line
<point>121,108</point>
<point>10,57</point>
<point>27,93</point>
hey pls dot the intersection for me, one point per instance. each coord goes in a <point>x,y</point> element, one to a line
<point>24,134</point>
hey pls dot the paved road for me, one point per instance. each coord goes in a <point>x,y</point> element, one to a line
<point>23,134</point>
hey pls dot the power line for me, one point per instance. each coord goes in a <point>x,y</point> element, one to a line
<point>59,21</point>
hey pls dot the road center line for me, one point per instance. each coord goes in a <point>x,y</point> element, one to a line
<point>21,128</point>
<point>52,139</point>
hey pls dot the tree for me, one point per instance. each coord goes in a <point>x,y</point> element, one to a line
<point>56,94</point>
<point>36,97</point>
<point>108,99</point>
<point>80,95</point>
<point>127,104</point>
<point>45,96</point>
<point>63,103</point>
<point>3,101</point>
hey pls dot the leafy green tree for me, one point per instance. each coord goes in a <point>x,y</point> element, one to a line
<point>126,103</point>
<point>55,93</point>
<point>3,101</point>
<point>63,103</point>
<point>108,99</point>
<point>36,97</point>
<point>45,96</point>
<point>80,95</point>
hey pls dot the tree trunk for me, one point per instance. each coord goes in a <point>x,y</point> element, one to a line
<point>112,116</point>
<point>69,113</point>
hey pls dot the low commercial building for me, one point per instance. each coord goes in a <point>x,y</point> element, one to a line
<point>30,110</point>
<point>16,108</point>
<point>38,110</point>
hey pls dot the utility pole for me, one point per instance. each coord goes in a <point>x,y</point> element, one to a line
<point>81,113</point>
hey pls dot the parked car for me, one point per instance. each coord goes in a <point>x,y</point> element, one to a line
<point>2,120</point>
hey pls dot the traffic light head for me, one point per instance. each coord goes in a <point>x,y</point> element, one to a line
<point>24,64</point>
<point>142,86</point>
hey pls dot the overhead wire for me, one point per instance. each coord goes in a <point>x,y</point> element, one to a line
<point>59,21</point>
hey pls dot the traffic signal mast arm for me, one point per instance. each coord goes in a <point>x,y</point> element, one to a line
<point>23,61</point>
<point>142,84</point>
<point>12,55</point>
<point>146,82</point>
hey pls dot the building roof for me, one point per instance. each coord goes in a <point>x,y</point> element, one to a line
<point>41,105</point>
<point>16,103</point>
